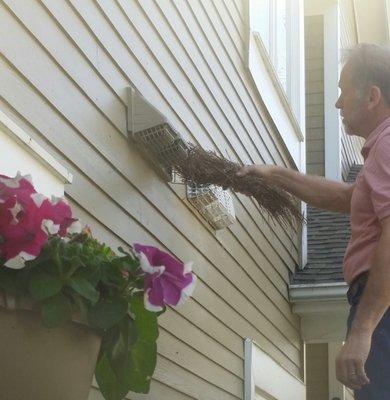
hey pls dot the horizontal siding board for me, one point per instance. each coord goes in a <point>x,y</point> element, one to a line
<point>188,383</point>
<point>315,157</point>
<point>158,391</point>
<point>315,75</point>
<point>70,61</point>
<point>315,133</point>
<point>315,64</point>
<point>209,347</point>
<point>83,39</point>
<point>234,31</point>
<point>198,364</point>
<point>316,169</point>
<point>237,17</point>
<point>315,110</point>
<point>315,87</point>
<point>315,122</point>
<point>315,98</point>
<point>315,145</point>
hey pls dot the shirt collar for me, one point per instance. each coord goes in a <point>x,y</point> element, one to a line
<point>373,137</point>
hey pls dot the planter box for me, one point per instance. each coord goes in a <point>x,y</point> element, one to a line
<point>37,363</point>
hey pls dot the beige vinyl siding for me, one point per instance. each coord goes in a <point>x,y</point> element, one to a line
<point>350,145</point>
<point>317,363</point>
<point>314,56</point>
<point>64,69</point>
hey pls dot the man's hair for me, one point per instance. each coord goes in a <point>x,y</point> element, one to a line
<point>370,65</point>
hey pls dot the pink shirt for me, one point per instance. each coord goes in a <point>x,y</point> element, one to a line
<point>370,202</point>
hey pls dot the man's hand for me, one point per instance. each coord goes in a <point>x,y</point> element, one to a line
<point>263,171</point>
<point>351,359</point>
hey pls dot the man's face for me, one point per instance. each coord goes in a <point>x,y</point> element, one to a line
<point>350,104</point>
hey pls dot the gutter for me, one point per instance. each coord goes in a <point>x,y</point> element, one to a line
<point>304,293</point>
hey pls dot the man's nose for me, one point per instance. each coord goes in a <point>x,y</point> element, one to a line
<point>338,103</point>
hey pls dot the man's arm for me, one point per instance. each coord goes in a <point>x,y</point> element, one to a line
<point>314,190</point>
<point>373,305</point>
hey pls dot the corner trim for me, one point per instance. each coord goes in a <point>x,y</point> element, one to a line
<point>15,132</point>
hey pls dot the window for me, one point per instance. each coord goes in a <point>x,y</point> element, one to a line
<point>271,21</point>
<point>275,61</point>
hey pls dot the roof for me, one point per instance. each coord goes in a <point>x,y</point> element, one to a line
<point>328,235</point>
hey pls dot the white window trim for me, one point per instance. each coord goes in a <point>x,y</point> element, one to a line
<point>263,74</point>
<point>20,136</point>
<point>266,377</point>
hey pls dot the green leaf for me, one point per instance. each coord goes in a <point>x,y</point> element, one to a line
<point>85,289</point>
<point>144,358</point>
<point>56,311</point>
<point>119,350</point>
<point>145,321</point>
<point>144,350</point>
<point>42,285</point>
<point>107,313</point>
<point>110,385</point>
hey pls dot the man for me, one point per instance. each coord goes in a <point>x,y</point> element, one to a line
<point>363,363</point>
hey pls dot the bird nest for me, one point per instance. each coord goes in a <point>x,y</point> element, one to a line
<point>207,168</point>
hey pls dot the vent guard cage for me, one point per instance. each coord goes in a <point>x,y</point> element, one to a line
<point>163,145</point>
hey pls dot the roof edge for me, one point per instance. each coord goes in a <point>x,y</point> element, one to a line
<point>318,291</point>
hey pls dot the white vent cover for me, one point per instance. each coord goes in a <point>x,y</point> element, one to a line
<point>153,135</point>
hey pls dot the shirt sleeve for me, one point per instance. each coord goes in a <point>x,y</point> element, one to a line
<point>378,177</point>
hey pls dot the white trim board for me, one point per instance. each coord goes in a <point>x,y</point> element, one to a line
<point>20,153</point>
<point>31,146</point>
<point>266,379</point>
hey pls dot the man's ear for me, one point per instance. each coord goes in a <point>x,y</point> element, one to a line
<point>375,97</point>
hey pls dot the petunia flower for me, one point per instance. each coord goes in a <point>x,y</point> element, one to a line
<point>167,280</point>
<point>23,240</point>
<point>19,186</point>
<point>27,218</point>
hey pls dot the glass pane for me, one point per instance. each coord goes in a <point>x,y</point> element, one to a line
<point>261,23</point>
<point>281,42</point>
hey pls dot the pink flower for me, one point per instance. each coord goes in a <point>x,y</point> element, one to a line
<point>27,218</point>
<point>167,281</point>
<point>61,214</point>
<point>19,186</point>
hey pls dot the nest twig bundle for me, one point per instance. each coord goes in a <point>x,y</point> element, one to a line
<point>206,167</point>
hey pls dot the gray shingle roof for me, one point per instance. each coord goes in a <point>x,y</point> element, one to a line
<point>328,235</point>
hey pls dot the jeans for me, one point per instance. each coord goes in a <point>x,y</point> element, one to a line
<point>378,363</point>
